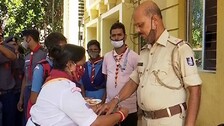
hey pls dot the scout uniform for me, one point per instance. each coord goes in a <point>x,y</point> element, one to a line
<point>127,64</point>
<point>61,99</point>
<point>37,56</point>
<point>159,85</point>
<point>97,88</point>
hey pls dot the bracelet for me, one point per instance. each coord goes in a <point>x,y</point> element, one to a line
<point>118,98</point>
<point>122,115</point>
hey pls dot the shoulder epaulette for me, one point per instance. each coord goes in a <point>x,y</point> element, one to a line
<point>174,40</point>
<point>177,42</point>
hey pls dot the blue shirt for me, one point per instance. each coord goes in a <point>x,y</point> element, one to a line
<point>38,76</point>
<point>97,67</point>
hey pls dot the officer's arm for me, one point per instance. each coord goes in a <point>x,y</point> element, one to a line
<point>193,104</point>
<point>7,53</point>
<point>129,88</point>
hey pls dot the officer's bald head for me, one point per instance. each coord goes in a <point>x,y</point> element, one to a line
<point>149,8</point>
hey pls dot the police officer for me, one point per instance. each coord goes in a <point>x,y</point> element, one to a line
<point>165,71</point>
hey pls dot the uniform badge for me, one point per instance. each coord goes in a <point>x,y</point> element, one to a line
<point>140,64</point>
<point>190,61</point>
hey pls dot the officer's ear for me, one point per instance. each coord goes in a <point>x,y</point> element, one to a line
<point>154,22</point>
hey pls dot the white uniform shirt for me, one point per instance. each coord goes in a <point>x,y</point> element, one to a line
<point>60,103</point>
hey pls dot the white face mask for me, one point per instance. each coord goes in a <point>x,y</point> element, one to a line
<point>24,44</point>
<point>117,44</point>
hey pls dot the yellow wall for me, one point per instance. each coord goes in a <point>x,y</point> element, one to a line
<point>212,103</point>
<point>100,29</point>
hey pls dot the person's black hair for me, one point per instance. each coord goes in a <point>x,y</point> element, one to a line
<point>33,33</point>
<point>52,40</point>
<point>21,50</point>
<point>69,52</point>
<point>93,42</point>
<point>118,25</point>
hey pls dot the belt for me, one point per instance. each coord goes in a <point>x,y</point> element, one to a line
<point>3,92</point>
<point>167,112</point>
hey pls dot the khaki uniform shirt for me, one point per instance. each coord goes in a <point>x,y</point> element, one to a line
<point>151,94</point>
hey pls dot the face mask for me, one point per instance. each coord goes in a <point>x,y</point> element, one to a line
<point>117,44</point>
<point>151,38</point>
<point>24,45</point>
<point>77,72</point>
<point>93,55</point>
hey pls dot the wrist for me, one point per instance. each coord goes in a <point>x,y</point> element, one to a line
<point>122,116</point>
<point>117,98</point>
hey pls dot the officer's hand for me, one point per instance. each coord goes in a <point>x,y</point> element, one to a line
<point>107,108</point>
<point>20,105</point>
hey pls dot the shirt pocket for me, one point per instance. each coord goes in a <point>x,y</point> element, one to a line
<point>160,74</point>
<point>141,72</point>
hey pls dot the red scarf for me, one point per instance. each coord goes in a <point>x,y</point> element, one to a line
<point>55,73</point>
<point>117,59</point>
<point>31,61</point>
<point>93,62</point>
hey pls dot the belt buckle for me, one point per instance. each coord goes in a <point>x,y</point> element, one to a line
<point>152,114</point>
<point>149,114</point>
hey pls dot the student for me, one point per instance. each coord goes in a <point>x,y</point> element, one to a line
<point>43,68</point>
<point>118,64</point>
<point>7,97</point>
<point>93,80</point>
<point>18,73</point>
<point>60,101</point>
<point>37,53</point>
